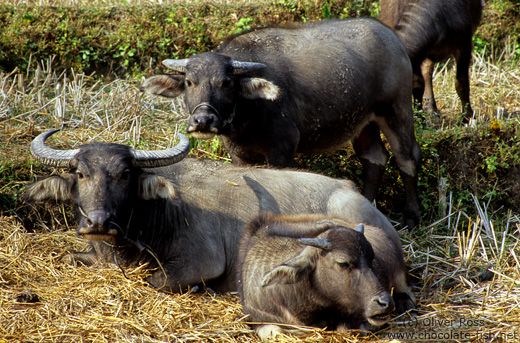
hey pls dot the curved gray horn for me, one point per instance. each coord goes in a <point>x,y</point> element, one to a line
<point>321,243</point>
<point>177,65</point>
<point>240,68</point>
<point>52,157</point>
<point>161,158</point>
<point>360,228</point>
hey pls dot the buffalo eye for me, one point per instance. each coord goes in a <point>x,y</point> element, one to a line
<point>227,83</point>
<point>345,265</point>
<point>80,175</point>
<point>125,175</point>
<point>189,83</point>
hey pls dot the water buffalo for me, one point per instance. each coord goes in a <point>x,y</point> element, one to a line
<point>431,32</point>
<point>315,271</point>
<point>273,92</point>
<point>184,217</point>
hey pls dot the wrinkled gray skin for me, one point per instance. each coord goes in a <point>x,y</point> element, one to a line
<point>432,31</point>
<point>339,276</point>
<point>190,215</point>
<point>314,88</point>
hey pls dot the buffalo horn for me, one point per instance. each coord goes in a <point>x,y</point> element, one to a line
<point>161,158</point>
<point>240,68</point>
<point>321,243</point>
<point>360,228</point>
<point>49,156</point>
<point>177,65</point>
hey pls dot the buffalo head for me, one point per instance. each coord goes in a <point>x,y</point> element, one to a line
<point>104,181</point>
<point>339,265</point>
<point>212,84</point>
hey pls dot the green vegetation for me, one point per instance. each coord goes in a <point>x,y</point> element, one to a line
<point>126,40</point>
<point>130,40</point>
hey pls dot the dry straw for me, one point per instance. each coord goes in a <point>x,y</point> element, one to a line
<point>100,304</point>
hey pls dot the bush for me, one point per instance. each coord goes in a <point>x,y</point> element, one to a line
<point>128,40</point>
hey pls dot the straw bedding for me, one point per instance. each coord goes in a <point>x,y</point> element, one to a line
<point>43,299</point>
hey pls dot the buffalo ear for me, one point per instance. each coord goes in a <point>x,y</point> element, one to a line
<point>257,88</point>
<point>56,187</point>
<point>153,186</point>
<point>292,270</point>
<point>169,86</point>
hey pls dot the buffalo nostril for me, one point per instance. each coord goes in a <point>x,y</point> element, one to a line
<point>384,302</point>
<point>97,218</point>
<point>203,120</point>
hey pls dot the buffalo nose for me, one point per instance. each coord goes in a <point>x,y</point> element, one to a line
<point>202,120</point>
<point>384,302</point>
<point>97,219</point>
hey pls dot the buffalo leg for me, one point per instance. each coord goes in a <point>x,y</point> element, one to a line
<point>204,263</point>
<point>282,152</point>
<point>462,81</point>
<point>373,156</point>
<point>399,130</point>
<point>281,156</point>
<point>428,101</point>
<point>418,86</point>
<point>99,252</point>
<point>85,258</point>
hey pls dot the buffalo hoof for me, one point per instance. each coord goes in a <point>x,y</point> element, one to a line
<point>27,297</point>
<point>410,222</point>
<point>81,258</point>
<point>268,332</point>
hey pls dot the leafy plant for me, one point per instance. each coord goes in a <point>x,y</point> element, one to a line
<point>243,24</point>
<point>325,10</point>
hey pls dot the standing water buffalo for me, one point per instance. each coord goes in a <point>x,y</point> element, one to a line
<point>273,92</point>
<point>315,271</point>
<point>432,31</point>
<point>184,218</point>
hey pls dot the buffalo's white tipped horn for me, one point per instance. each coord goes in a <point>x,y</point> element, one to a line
<point>360,228</point>
<point>52,157</point>
<point>141,158</point>
<point>177,65</point>
<point>161,158</point>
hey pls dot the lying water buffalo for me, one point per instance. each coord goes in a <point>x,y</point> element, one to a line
<point>314,271</point>
<point>273,92</point>
<point>431,32</point>
<point>184,218</point>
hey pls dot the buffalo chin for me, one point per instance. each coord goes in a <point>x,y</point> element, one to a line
<point>202,135</point>
<point>100,237</point>
<point>379,319</point>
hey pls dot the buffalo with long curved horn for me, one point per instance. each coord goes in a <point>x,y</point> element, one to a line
<point>140,158</point>
<point>183,220</point>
